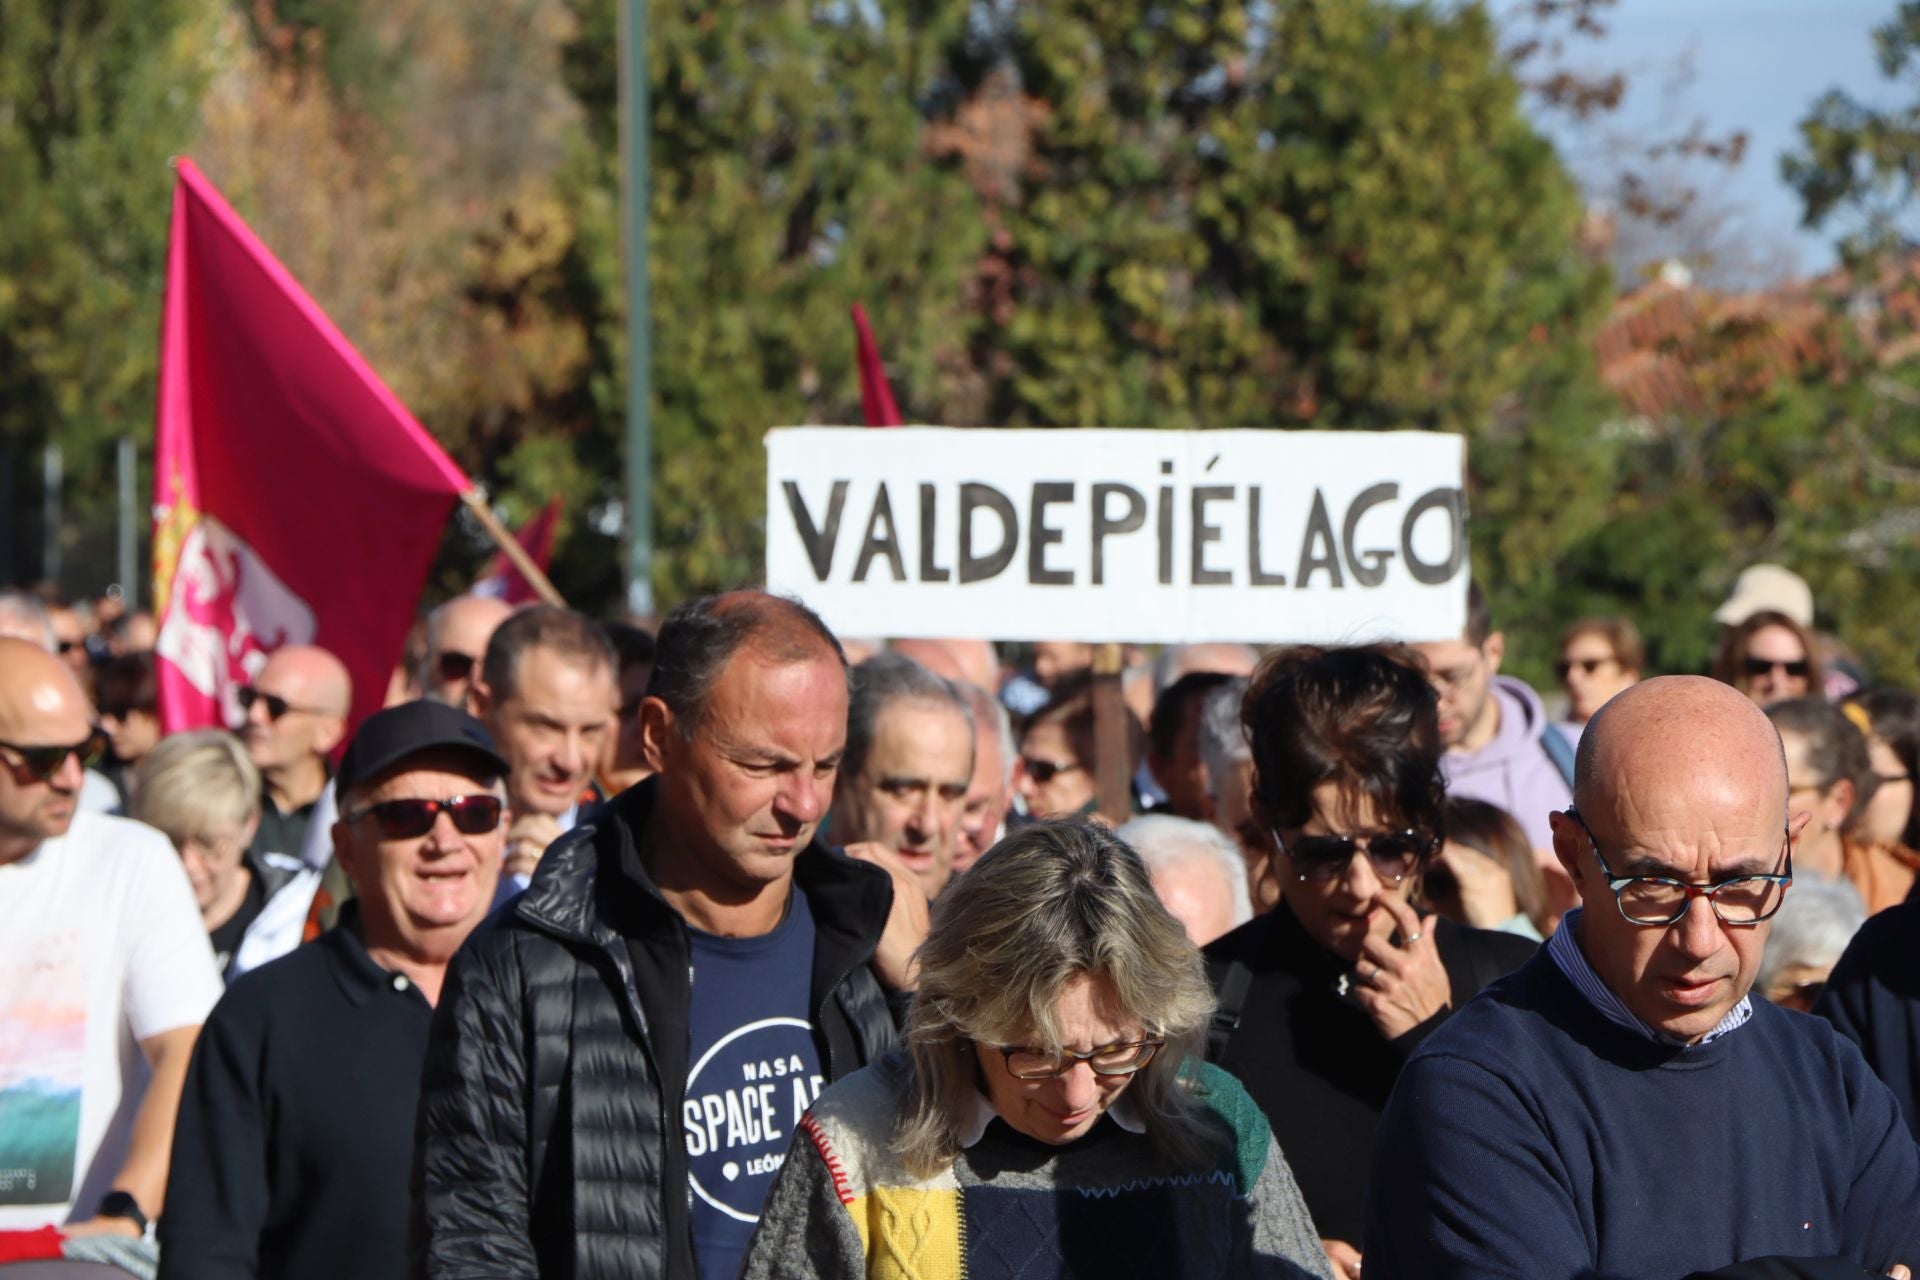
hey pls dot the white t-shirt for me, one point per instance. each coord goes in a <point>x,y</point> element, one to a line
<point>101,946</point>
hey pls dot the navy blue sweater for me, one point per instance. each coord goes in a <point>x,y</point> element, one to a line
<point>1530,1137</point>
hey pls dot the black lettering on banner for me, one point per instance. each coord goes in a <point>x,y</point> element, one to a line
<point>818,541</point>
<point>1454,503</point>
<point>1041,535</point>
<point>877,543</point>
<point>929,571</point>
<point>1165,530</point>
<point>1204,534</point>
<point>1257,575</point>
<point>1102,526</point>
<point>1369,568</point>
<point>975,497</point>
<point>1319,529</point>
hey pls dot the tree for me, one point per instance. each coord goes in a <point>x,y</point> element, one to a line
<point>1857,165</point>
<point>94,96</point>
<point>789,181</point>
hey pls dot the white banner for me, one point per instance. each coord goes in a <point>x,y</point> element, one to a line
<point>1096,535</point>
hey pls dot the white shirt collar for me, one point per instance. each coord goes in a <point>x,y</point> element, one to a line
<point>1122,1113</point>
<point>1564,949</point>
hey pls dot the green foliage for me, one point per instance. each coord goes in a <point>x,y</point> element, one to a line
<point>94,97</point>
<point>1857,164</point>
<point>788,183</point>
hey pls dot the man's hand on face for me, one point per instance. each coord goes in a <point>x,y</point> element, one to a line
<point>1401,987</point>
<point>527,839</point>
<point>893,959</point>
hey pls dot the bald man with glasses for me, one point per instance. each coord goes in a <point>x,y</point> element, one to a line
<point>105,974</point>
<point>1622,1105</point>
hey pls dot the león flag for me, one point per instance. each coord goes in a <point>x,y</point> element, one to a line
<point>296,501</point>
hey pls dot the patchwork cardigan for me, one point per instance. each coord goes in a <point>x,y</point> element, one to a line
<point>1010,1207</point>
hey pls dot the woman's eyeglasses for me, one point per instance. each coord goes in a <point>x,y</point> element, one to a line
<point>1756,667</point>
<point>1324,858</point>
<point>409,819</point>
<point>42,762</point>
<point>1109,1060</point>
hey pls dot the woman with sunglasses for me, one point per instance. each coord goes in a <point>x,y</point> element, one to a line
<point>1830,776</point>
<point>1049,1104</point>
<point>203,793</point>
<point>1323,998</point>
<point>1768,656</point>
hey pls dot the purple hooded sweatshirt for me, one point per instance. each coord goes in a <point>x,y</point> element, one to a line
<point>1513,771</point>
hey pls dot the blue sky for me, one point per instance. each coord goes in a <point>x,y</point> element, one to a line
<point>1757,65</point>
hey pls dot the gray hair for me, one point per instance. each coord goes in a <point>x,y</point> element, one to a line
<point>191,783</point>
<point>1223,738</point>
<point>989,713</point>
<point>1814,925</point>
<point>1052,902</point>
<point>1164,841</point>
<point>23,616</point>
<point>878,683</point>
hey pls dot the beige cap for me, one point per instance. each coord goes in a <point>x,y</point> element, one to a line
<point>1767,587</point>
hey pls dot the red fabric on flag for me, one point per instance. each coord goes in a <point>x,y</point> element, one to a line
<point>876,397</point>
<point>296,501</point>
<point>536,539</point>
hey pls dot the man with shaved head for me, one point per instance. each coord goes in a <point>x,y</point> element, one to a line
<point>105,974</point>
<point>457,636</point>
<point>1622,1106</point>
<point>295,714</point>
<point>961,661</point>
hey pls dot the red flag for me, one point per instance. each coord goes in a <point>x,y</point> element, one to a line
<point>536,539</point>
<point>296,501</point>
<point>876,397</point>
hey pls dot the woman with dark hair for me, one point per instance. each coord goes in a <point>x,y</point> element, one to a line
<point>1323,998</point>
<point>1768,657</point>
<point>1487,875</point>
<point>128,700</point>
<point>1830,776</point>
<point>1891,720</point>
<point>1050,1104</point>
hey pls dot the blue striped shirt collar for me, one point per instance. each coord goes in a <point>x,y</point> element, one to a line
<point>1564,949</point>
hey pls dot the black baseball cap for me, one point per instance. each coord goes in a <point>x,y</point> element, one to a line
<point>387,737</point>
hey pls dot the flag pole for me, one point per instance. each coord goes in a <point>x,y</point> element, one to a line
<point>510,547</point>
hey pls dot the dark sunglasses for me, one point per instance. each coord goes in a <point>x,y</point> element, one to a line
<point>1761,666</point>
<point>1588,666</point>
<point>407,819</point>
<point>276,705</point>
<point>453,667</point>
<point>44,762</point>
<point>1393,854</point>
<point>1045,771</point>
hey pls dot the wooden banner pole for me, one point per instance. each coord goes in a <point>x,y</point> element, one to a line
<point>510,547</point>
<point>1112,776</point>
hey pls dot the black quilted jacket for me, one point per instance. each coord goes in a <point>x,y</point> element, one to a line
<point>549,1140</point>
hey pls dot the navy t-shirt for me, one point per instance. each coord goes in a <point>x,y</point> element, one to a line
<point>754,1071</point>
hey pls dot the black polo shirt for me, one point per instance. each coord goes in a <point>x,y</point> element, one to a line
<point>295,1134</point>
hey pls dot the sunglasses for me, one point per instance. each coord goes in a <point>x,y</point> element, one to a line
<point>44,762</point>
<point>408,819</point>
<point>276,705</point>
<point>1761,666</point>
<point>454,667</point>
<point>1045,771</point>
<point>1586,666</point>
<point>1325,858</point>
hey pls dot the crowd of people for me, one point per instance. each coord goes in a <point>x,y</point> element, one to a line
<point>734,947</point>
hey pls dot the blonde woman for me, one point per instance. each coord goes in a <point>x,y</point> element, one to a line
<point>203,793</point>
<point>1050,1102</point>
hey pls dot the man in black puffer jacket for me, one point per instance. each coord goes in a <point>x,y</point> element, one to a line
<point>621,1055</point>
